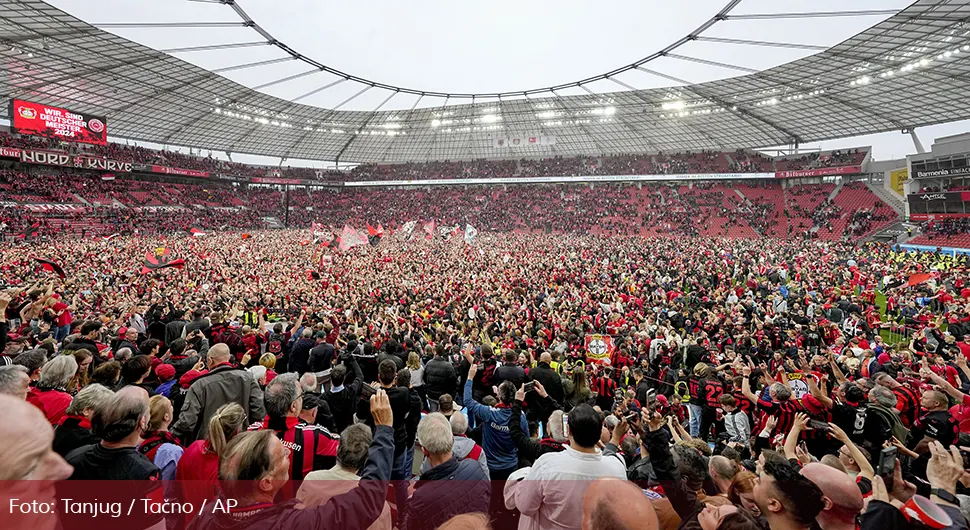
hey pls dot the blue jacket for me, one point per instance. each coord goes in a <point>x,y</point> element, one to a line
<point>499,448</point>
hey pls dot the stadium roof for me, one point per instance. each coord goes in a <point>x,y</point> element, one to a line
<point>910,70</point>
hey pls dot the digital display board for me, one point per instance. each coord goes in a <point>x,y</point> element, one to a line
<point>27,117</point>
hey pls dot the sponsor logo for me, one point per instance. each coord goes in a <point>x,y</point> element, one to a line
<point>933,197</point>
<point>96,125</point>
<point>27,113</point>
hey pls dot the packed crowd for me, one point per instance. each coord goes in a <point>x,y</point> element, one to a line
<point>130,205</point>
<point>517,381</point>
<point>705,161</point>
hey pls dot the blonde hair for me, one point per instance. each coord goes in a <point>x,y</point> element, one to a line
<point>268,360</point>
<point>414,363</point>
<point>226,423</point>
<point>467,521</point>
<point>158,407</point>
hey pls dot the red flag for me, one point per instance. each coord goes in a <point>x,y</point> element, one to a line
<point>156,260</point>
<point>429,229</point>
<point>371,231</point>
<point>51,266</point>
<point>917,279</point>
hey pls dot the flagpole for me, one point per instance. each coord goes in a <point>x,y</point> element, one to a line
<point>286,206</point>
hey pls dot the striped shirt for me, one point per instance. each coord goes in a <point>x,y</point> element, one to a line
<point>312,447</point>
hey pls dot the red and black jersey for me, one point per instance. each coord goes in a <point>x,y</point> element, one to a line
<point>696,392</point>
<point>604,386</point>
<point>907,403</point>
<point>312,447</point>
<point>713,389</point>
<point>783,410</point>
<point>744,403</point>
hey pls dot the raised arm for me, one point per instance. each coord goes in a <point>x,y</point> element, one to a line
<point>865,468</point>
<point>746,385</point>
<point>817,392</point>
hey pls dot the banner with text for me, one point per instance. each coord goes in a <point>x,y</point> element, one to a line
<point>819,172</point>
<point>49,158</point>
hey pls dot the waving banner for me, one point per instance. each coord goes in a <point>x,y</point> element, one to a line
<point>599,348</point>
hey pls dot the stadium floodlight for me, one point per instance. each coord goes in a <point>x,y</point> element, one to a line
<point>947,53</point>
<point>491,118</point>
<point>924,62</point>
<point>966,47</point>
<point>436,123</point>
<point>674,105</point>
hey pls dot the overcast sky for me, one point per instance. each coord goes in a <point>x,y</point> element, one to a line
<point>499,45</point>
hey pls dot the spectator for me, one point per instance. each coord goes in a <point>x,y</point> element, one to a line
<point>50,395</point>
<point>320,486</point>
<point>313,446</point>
<point>221,385</point>
<point>254,456</point>
<point>552,494</point>
<point>74,429</point>
<point>451,487</point>
<point>14,381</point>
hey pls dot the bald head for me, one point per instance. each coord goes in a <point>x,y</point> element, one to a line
<point>602,501</point>
<point>219,353</point>
<point>545,358</point>
<point>841,495</point>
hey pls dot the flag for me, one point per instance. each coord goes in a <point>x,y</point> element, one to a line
<point>51,266</point>
<point>108,176</point>
<point>917,279</point>
<point>247,236</point>
<point>160,258</point>
<point>29,233</point>
<point>429,229</point>
<point>470,233</point>
<point>406,230</point>
<point>196,231</point>
<point>109,237</point>
<point>351,238</point>
<point>371,231</point>
<point>599,348</point>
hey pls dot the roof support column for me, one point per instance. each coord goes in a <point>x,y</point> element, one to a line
<point>916,143</point>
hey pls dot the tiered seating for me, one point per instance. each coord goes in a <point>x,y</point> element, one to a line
<point>859,211</point>
<point>769,203</point>
<point>837,158</point>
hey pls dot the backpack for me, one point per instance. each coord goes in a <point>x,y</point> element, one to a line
<point>275,344</point>
<point>896,425</point>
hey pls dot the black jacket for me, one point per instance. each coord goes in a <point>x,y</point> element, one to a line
<point>529,449</point>
<point>173,330</point>
<point>440,377</point>
<point>70,435</point>
<point>510,372</point>
<point>94,462</point>
<point>447,490</point>
<point>354,510</point>
<point>400,400</point>
<point>300,355</point>
<point>343,404</point>
<point>321,357</point>
<point>549,380</point>
<point>642,389</point>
